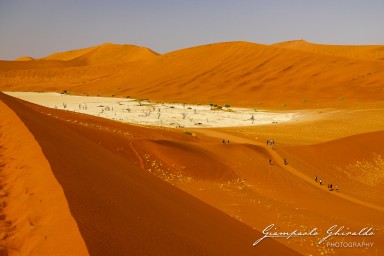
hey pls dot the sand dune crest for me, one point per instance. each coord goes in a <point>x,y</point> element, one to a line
<point>35,208</point>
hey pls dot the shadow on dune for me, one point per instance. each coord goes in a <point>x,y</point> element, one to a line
<point>122,210</point>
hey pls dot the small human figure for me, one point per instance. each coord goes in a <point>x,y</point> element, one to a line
<point>321,182</point>
<point>316,178</point>
<point>267,142</point>
<point>270,161</point>
<point>285,161</point>
<point>228,141</point>
<point>330,187</point>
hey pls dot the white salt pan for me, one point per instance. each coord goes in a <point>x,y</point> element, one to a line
<point>155,114</point>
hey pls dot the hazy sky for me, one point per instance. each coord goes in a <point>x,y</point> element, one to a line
<point>39,27</point>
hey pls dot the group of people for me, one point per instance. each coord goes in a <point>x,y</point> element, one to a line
<point>285,161</point>
<point>225,141</point>
<point>330,185</point>
<point>271,143</point>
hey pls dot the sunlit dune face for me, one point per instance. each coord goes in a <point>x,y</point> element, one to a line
<point>126,178</point>
<point>283,76</point>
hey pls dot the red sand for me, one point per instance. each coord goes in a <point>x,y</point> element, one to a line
<point>35,217</point>
<point>113,174</point>
<point>122,210</point>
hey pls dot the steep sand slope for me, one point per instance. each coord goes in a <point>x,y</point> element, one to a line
<point>122,210</point>
<point>280,194</point>
<point>288,196</point>
<point>236,73</point>
<point>69,55</point>
<point>186,159</point>
<point>237,179</point>
<point>355,163</point>
<point>35,217</point>
<point>367,52</point>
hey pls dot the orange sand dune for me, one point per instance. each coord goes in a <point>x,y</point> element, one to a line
<point>280,190</point>
<point>237,179</point>
<point>35,217</point>
<point>355,163</point>
<point>184,159</point>
<point>286,194</point>
<point>249,74</point>
<point>366,52</point>
<point>10,68</point>
<point>53,78</point>
<point>69,55</point>
<point>24,58</point>
<point>106,54</point>
<point>236,73</point>
<point>62,71</point>
<point>121,210</point>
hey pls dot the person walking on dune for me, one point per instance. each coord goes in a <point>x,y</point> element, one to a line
<point>285,161</point>
<point>321,182</point>
<point>270,161</point>
<point>271,144</point>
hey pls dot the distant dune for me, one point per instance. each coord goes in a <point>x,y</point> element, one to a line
<point>24,58</point>
<point>105,54</point>
<point>287,75</point>
<point>364,52</point>
<point>69,55</point>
